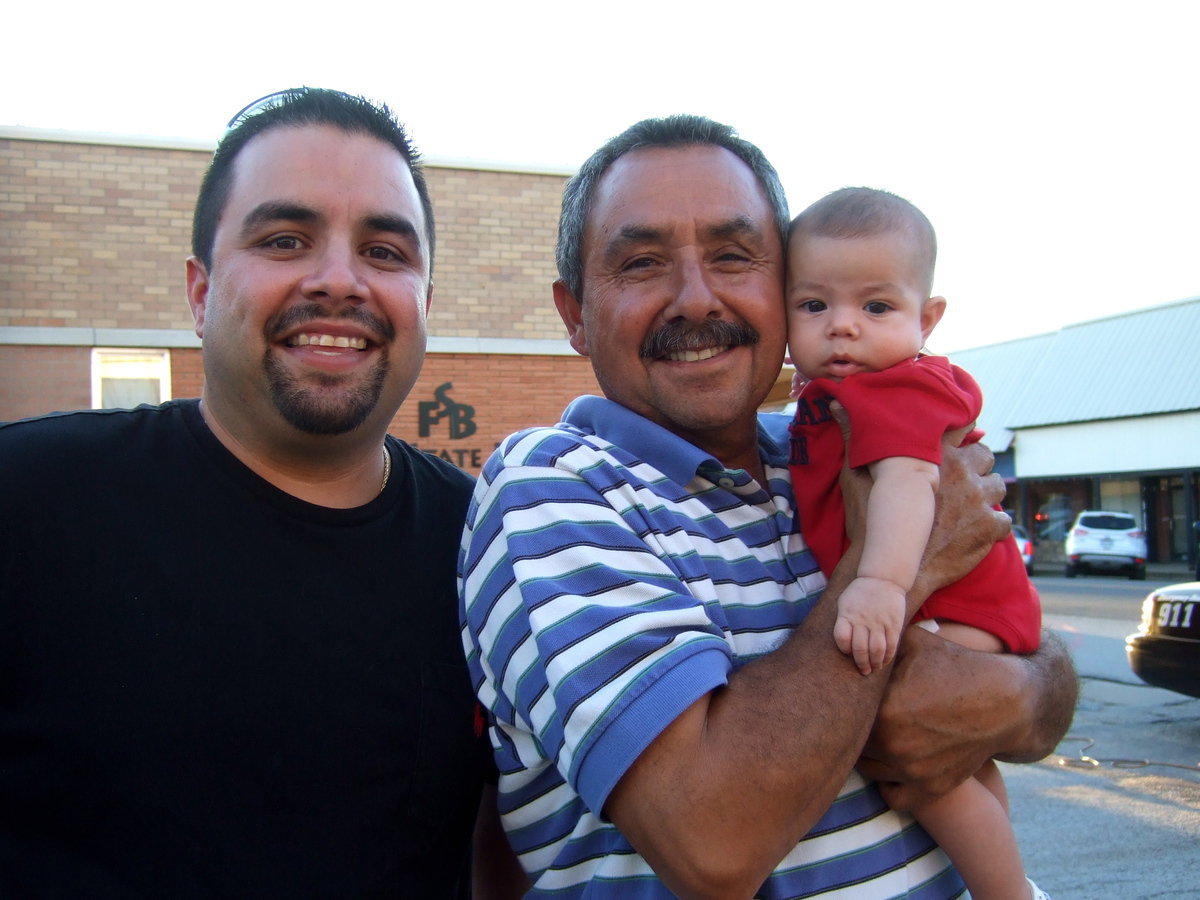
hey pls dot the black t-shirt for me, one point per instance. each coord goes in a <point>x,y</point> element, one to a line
<point>211,688</point>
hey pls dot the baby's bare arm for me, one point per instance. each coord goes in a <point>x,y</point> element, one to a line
<point>872,609</point>
<point>899,517</point>
<point>948,709</point>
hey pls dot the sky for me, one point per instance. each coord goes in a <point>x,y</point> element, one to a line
<point>1054,145</point>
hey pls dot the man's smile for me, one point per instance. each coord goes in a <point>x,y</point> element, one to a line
<point>695,355</point>
<point>327,340</point>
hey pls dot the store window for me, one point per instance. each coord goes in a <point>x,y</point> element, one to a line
<point>1055,510</point>
<point>1123,495</point>
<point>122,379</point>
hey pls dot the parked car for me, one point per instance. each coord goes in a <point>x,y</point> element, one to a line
<point>1026,547</point>
<point>1102,541</point>
<point>1053,518</point>
<point>1165,651</point>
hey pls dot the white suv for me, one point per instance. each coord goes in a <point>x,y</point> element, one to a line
<point>1106,541</point>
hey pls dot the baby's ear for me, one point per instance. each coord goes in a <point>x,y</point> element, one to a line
<point>931,313</point>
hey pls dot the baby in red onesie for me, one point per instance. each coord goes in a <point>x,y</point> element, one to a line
<point>860,272</point>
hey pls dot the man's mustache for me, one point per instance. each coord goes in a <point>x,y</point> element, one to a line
<point>677,337</point>
<point>295,316</point>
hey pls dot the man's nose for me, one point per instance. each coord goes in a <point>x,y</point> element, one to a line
<point>693,294</point>
<point>336,274</point>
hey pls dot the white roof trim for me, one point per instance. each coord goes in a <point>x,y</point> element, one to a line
<point>157,142</point>
<point>48,336</point>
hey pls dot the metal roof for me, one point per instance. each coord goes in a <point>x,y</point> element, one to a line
<point>1140,363</point>
<point>1002,371</point>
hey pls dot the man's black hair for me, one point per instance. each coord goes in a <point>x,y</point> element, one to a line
<point>296,108</point>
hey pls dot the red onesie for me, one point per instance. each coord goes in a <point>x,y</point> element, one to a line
<point>904,411</point>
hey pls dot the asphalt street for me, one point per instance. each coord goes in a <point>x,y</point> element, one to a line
<point>1114,814</point>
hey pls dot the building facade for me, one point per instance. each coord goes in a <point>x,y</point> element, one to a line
<point>93,234</point>
<point>1100,415</point>
<point>94,231</point>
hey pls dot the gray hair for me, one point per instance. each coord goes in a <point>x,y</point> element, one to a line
<point>671,131</point>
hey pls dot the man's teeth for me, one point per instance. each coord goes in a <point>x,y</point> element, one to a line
<point>328,340</point>
<point>695,355</point>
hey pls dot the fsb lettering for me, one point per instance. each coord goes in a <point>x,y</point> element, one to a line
<point>459,419</point>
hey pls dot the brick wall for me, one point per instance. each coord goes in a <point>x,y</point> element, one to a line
<point>36,380</point>
<point>502,393</point>
<point>95,236</point>
<point>505,394</point>
<point>187,373</point>
<point>495,254</point>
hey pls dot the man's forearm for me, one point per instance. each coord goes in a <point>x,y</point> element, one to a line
<point>949,709</point>
<point>1054,691</point>
<point>730,787</point>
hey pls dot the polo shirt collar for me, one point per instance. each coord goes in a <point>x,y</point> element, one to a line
<point>650,442</point>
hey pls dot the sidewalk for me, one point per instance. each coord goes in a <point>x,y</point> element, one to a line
<point>1049,560</point>
<point>1170,571</point>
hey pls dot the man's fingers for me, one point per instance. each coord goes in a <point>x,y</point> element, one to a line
<point>873,769</point>
<point>843,419</point>
<point>898,796</point>
<point>955,436</point>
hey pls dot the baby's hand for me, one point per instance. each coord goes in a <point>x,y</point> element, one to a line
<point>870,618</point>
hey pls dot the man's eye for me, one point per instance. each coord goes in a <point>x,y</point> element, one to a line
<point>384,254</point>
<point>284,242</point>
<point>638,262</point>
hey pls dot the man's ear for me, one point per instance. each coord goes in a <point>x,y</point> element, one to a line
<point>428,296</point>
<point>571,312</point>
<point>197,292</point>
<point>931,314</point>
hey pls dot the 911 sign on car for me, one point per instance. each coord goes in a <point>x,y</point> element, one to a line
<point>1165,650</point>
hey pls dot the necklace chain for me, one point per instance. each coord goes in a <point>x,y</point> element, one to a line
<point>387,468</point>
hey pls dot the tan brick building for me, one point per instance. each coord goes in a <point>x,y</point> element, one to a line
<point>93,234</point>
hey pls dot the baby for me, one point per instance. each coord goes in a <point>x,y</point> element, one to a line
<point>860,272</point>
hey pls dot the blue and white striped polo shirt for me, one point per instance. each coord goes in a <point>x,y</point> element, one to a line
<point>613,574</point>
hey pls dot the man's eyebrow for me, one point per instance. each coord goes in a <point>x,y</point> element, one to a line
<point>284,211</point>
<point>397,225</point>
<point>277,211</point>
<point>737,227</point>
<point>632,235</point>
